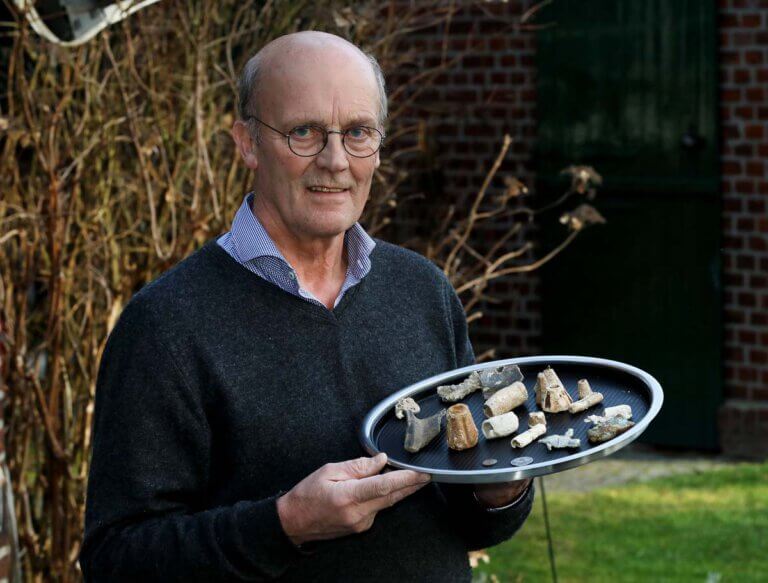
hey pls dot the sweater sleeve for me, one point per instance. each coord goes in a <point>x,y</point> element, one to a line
<point>479,527</point>
<point>146,516</point>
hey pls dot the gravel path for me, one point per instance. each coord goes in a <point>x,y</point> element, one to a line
<point>634,463</point>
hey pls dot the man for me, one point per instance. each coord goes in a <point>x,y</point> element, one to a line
<point>232,388</point>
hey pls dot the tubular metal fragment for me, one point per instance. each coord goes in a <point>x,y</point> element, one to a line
<point>538,427</point>
<point>551,394</point>
<point>587,398</point>
<point>461,430</point>
<point>505,399</point>
<point>500,426</point>
<point>528,436</point>
<point>420,432</point>
<point>499,377</point>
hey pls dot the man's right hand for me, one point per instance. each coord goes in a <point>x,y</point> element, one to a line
<point>343,498</point>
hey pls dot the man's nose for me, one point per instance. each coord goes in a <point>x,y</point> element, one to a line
<point>333,157</point>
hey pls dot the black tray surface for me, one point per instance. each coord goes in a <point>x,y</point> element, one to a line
<point>620,384</point>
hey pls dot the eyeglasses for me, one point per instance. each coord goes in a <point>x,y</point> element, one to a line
<point>309,140</point>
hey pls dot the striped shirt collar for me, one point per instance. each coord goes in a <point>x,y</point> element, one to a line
<point>251,241</point>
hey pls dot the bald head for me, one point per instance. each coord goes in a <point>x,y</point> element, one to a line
<point>280,53</point>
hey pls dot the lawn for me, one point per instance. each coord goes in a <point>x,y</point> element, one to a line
<point>710,526</point>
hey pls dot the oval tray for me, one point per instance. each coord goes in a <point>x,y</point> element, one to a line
<point>621,384</point>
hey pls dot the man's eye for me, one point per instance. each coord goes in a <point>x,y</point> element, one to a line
<point>359,133</point>
<point>303,132</point>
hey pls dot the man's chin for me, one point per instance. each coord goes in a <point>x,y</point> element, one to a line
<point>329,227</point>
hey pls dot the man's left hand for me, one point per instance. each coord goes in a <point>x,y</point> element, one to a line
<point>497,495</point>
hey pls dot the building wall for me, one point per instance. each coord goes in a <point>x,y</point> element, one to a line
<point>744,147</point>
<point>493,91</point>
<point>490,92</point>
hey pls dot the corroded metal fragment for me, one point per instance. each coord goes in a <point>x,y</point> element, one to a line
<point>506,399</point>
<point>624,411</point>
<point>490,462</point>
<point>583,388</point>
<point>607,430</point>
<point>499,377</point>
<point>551,395</point>
<point>453,393</point>
<point>587,398</point>
<point>528,436</point>
<point>406,404</point>
<point>538,427</point>
<point>500,426</point>
<point>561,441</point>
<point>420,432</point>
<point>536,418</point>
<point>620,410</point>
<point>461,430</point>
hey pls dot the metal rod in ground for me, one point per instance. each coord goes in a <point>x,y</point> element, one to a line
<point>549,531</point>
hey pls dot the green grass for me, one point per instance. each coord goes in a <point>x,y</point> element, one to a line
<point>696,527</point>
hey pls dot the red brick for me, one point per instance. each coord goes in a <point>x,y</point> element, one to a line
<point>735,317</point>
<point>730,95</point>
<point>753,57</point>
<point>759,282</point>
<point>757,244</point>
<point>728,57</point>
<point>754,131</point>
<point>745,186</point>
<point>747,374</point>
<point>732,167</point>
<point>744,112</point>
<point>477,61</point>
<point>747,300</point>
<point>742,76</point>
<point>756,206</point>
<point>733,243</point>
<point>758,356</point>
<point>745,262</point>
<point>755,94</point>
<point>729,20</point>
<point>747,336</point>
<point>751,20</point>
<point>755,169</point>
<point>758,319</point>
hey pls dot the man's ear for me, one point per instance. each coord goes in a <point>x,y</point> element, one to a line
<point>245,143</point>
<point>377,160</point>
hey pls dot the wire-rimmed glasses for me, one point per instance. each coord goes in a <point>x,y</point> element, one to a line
<point>309,140</point>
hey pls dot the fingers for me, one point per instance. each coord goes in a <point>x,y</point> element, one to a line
<point>384,485</point>
<point>377,504</point>
<point>361,467</point>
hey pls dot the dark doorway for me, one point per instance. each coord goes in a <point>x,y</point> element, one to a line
<point>630,88</point>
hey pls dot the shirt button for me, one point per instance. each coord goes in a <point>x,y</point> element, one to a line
<point>292,274</point>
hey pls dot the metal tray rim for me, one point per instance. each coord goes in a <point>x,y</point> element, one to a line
<point>493,475</point>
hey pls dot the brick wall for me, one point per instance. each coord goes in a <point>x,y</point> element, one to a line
<point>493,92</point>
<point>487,94</point>
<point>744,130</point>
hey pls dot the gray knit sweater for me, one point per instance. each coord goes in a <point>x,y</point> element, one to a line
<point>217,391</point>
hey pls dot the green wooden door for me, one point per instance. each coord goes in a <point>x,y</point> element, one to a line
<point>630,88</point>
